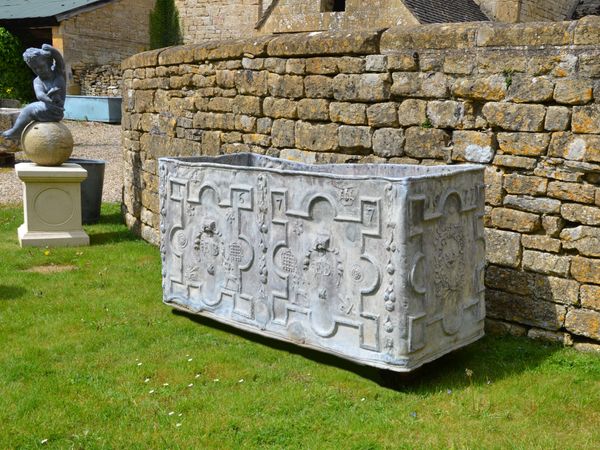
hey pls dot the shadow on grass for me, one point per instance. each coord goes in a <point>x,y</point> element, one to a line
<point>489,360</point>
<point>11,292</point>
<point>109,230</point>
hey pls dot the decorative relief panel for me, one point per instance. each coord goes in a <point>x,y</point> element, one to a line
<point>368,268</point>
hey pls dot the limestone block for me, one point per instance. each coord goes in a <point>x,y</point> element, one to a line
<point>318,86</point>
<point>283,133</point>
<point>546,263</point>
<point>348,113</point>
<point>587,215</point>
<point>350,64</point>
<point>376,63</point>
<point>523,184</point>
<point>516,162</point>
<point>295,66</point>
<point>576,147</point>
<point>383,115</point>
<point>144,101</point>
<point>492,88</point>
<point>541,242</point>
<point>433,85</point>
<point>501,328</point>
<point>493,185</point>
<point>221,104</point>
<point>533,285</point>
<point>534,34</point>
<point>368,87</point>
<point>143,59</point>
<point>426,142</point>
<point>590,296</point>
<point>474,146</point>
<point>388,142</point>
<point>251,82</point>
<point>553,225</point>
<point>313,109</point>
<point>406,61</point>
<point>514,220</point>
<point>253,63</point>
<point>247,104</point>
<point>550,336</point>
<point>447,113</point>
<point>515,117</point>
<point>558,118</point>
<point>589,64</point>
<point>525,144</point>
<point>322,65</point>
<point>412,112</point>
<point>525,310</point>
<point>405,84</point>
<point>225,79</point>
<point>317,137</point>
<point>288,86</point>
<point>586,270</point>
<point>324,43</point>
<point>257,139</point>
<point>573,92</point>
<point>503,247</point>
<point>584,322</point>
<point>276,65</point>
<point>586,119</point>
<point>52,205</point>
<point>534,205</point>
<point>459,63</point>
<point>584,239</point>
<point>355,137</point>
<point>245,123</point>
<point>587,31</point>
<point>313,261</point>
<point>575,192</point>
<point>508,280</point>
<point>431,36</point>
<point>526,89</point>
<point>278,108</point>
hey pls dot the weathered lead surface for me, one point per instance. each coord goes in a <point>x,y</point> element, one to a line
<point>380,264</point>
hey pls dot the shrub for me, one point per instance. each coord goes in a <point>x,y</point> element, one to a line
<point>15,76</point>
<point>164,25</point>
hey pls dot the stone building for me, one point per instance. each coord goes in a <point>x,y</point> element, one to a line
<point>94,36</point>
<point>221,19</point>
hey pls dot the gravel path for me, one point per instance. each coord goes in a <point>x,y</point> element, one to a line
<point>93,140</point>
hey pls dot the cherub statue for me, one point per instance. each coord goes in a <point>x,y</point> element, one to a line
<point>50,89</point>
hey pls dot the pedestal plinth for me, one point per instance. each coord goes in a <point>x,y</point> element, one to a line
<point>52,205</point>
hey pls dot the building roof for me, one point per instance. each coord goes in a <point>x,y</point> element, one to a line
<point>42,9</point>
<point>443,11</point>
<point>587,8</point>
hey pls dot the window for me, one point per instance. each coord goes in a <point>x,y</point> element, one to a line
<point>333,5</point>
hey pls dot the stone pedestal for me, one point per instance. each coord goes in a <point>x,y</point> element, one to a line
<point>52,205</point>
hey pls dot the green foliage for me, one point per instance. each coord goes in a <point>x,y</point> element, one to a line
<point>427,123</point>
<point>508,77</point>
<point>164,25</point>
<point>92,359</point>
<point>15,76</point>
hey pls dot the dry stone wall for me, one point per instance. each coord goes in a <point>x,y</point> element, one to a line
<point>102,80</point>
<point>524,100</point>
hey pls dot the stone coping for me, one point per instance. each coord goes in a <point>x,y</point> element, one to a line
<point>585,31</point>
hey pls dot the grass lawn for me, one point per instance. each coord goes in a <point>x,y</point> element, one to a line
<point>91,358</point>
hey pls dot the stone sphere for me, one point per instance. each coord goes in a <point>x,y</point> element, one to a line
<point>47,143</point>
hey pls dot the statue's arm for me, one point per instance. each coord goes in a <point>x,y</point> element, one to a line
<point>40,91</point>
<point>60,62</point>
